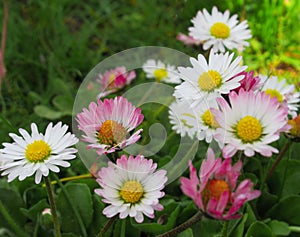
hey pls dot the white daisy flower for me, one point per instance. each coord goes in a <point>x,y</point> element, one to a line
<point>249,122</point>
<point>209,80</point>
<point>183,118</point>
<point>282,91</point>
<point>132,187</point>
<point>219,31</point>
<point>37,153</point>
<point>207,123</point>
<point>161,72</point>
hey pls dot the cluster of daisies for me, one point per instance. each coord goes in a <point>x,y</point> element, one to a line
<point>215,99</point>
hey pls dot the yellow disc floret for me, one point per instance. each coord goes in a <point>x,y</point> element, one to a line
<point>209,80</point>
<point>131,191</point>
<point>160,74</point>
<point>220,30</point>
<point>38,151</point>
<point>249,129</point>
<point>214,189</point>
<point>209,119</point>
<point>274,93</point>
<point>111,133</point>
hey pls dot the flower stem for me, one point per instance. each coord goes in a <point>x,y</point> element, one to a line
<point>194,219</point>
<point>225,229</point>
<point>279,158</point>
<point>106,226</point>
<point>52,205</point>
<point>12,224</point>
<point>294,229</point>
<point>83,176</point>
<point>3,42</point>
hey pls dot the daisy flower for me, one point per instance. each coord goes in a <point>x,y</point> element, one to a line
<point>219,31</point>
<point>37,153</point>
<point>161,72</point>
<point>114,80</point>
<point>282,91</point>
<point>183,118</point>
<point>249,82</point>
<point>215,191</point>
<point>132,187</point>
<point>187,40</point>
<point>207,123</point>
<point>107,124</point>
<point>209,80</point>
<point>249,122</point>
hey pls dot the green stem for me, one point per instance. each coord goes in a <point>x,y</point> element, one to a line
<point>279,158</point>
<point>225,229</point>
<point>52,206</point>
<point>294,229</point>
<point>12,224</point>
<point>74,209</point>
<point>83,176</point>
<point>106,226</point>
<point>194,219</point>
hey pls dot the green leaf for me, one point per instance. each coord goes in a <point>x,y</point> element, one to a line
<point>259,229</point>
<point>279,228</point>
<point>13,203</point>
<point>45,112</point>
<point>168,216</point>
<point>239,228</point>
<point>34,211</point>
<point>187,233</point>
<point>287,210</point>
<point>82,200</point>
<point>64,104</point>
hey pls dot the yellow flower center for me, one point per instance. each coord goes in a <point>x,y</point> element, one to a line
<point>274,93</point>
<point>249,129</point>
<point>111,133</point>
<point>38,151</point>
<point>220,30</point>
<point>209,119</point>
<point>214,189</point>
<point>160,74</point>
<point>209,80</point>
<point>111,81</point>
<point>132,191</point>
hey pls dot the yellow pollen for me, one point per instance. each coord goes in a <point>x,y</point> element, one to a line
<point>38,151</point>
<point>209,80</point>
<point>274,93</point>
<point>132,191</point>
<point>209,119</point>
<point>111,133</point>
<point>160,74</point>
<point>214,189</point>
<point>220,30</point>
<point>249,129</point>
<point>111,80</point>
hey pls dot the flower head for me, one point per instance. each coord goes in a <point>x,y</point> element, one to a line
<point>215,191</point>
<point>37,153</point>
<point>107,124</point>
<point>208,80</point>
<point>294,132</point>
<point>161,72</point>
<point>132,187</point>
<point>249,123</point>
<point>284,93</point>
<point>219,31</point>
<point>250,82</point>
<point>114,80</point>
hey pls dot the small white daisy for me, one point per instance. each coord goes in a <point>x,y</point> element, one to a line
<point>249,122</point>
<point>282,91</point>
<point>37,153</point>
<point>132,187</point>
<point>219,31</point>
<point>183,118</point>
<point>209,80</point>
<point>161,72</point>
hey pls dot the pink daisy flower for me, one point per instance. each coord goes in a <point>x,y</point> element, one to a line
<point>132,187</point>
<point>215,192</point>
<point>249,122</point>
<point>114,80</point>
<point>107,124</point>
<point>249,82</point>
